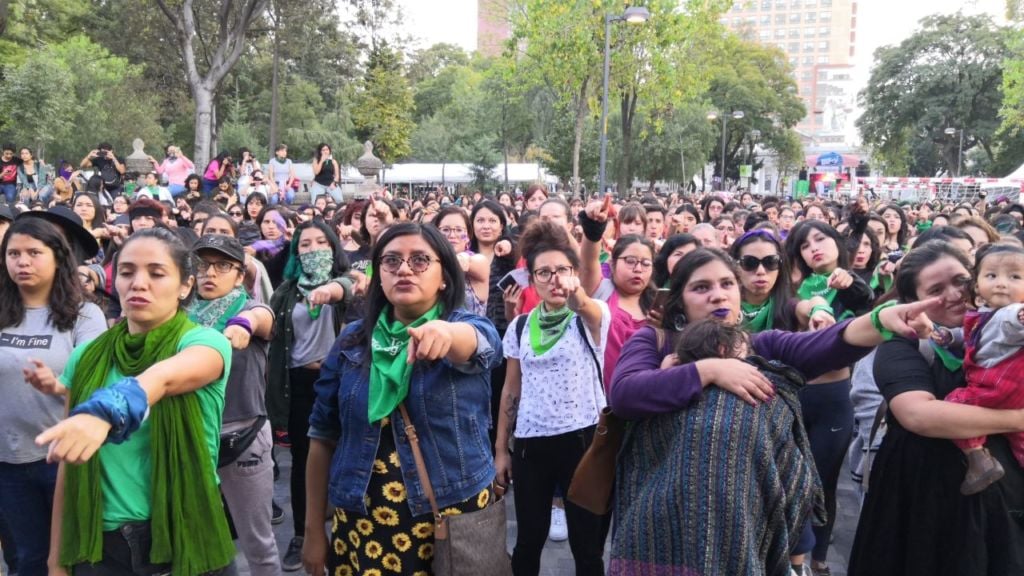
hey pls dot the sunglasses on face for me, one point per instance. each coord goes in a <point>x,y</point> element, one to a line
<point>752,263</point>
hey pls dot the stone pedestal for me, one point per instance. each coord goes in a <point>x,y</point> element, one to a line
<point>369,166</point>
<point>138,161</point>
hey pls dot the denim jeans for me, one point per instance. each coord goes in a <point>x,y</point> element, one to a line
<point>26,500</point>
<point>289,196</point>
<point>126,553</point>
<point>317,189</point>
<point>10,191</point>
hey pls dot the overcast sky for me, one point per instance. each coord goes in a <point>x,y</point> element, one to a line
<point>879,22</point>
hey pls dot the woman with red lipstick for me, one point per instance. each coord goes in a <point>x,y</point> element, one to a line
<point>146,400</point>
<point>309,307</point>
<point>822,261</point>
<point>628,292</point>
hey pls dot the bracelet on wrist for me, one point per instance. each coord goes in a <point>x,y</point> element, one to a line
<point>240,321</point>
<point>877,322</point>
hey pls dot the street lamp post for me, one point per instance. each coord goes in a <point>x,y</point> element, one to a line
<point>960,151</point>
<point>632,15</point>
<point>713,115</point>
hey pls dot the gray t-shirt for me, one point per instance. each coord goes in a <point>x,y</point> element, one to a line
<point>24,411</point>
<point>247,383</point>
<point>313,338</point>
<point>281,170</point>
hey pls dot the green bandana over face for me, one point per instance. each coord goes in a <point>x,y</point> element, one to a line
<point>216,312</point>
<point>316,271</point>
<point>757,317</point>
<point>547,327</point>
<point>390,370</point>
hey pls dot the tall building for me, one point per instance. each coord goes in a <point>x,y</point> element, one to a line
<point>819,38</point>
<point>492,26</point>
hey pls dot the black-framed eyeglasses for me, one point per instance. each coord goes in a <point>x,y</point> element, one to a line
<point>453,231</point>
<point>633,262</point>
<point>752,263</point>
<point>545,275</point>
<point>221,266</point>
<point>419,263</point>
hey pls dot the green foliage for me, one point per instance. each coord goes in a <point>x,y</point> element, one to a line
<point>946,75</point>
<point>72,95</point>
<point>384,106</point>
<point>30,24</point>
<point>758,80</point>
<point>1012,111</point>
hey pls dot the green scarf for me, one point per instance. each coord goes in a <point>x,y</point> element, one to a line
<point>188,525</point>
<point>216,312</point>
<point>547,327</point>
<point>758,317</point>
<point>316,271</point>
<point>816,285</point>
<point>390,371</point>
<point>949,361</point>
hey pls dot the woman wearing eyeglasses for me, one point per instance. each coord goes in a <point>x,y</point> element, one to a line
<point>420,349</point>
<point>308,306</point>
<point>628,291</point>
<point>551,400</point>
<point>246,471</point>
<point>454,223</point>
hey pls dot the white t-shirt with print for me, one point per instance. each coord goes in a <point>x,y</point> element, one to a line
<point>561,390</point>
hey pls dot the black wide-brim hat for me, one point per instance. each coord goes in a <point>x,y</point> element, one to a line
<point>82,242</point>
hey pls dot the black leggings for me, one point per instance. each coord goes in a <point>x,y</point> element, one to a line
<point>539,465</point>
<point>301,382</point>
<point>828,418</point>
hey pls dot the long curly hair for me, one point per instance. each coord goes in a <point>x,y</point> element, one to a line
<point>65,298</point>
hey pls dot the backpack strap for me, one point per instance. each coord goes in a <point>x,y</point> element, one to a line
<point>520,326</point>
<point>593,354</point>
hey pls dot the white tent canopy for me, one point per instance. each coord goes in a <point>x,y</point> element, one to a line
<point>417,173</point>
<point>1017,174</point>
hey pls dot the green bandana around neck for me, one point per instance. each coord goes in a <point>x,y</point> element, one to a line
<point>188,526</point>
<point>547,327</point>
<point>758,317</point>
<point>817,285</point>
<point>949,360</point>
<point>316,271</point>
<point>390,372</point>
<point>216,312</point>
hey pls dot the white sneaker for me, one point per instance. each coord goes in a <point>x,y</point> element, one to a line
<point>559,531</point>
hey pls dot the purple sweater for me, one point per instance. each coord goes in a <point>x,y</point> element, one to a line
<point>641,389</point>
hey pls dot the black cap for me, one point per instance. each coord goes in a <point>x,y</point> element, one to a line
<point>225,245</point>
<point>82,242</point>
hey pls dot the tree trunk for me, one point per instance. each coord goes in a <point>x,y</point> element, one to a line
<point>577,145</point>
<point>203,97</point>
<point>274,83</point>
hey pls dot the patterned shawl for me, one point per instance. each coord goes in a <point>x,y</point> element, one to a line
<point>720,487</point>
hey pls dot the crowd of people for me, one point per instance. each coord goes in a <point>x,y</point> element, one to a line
<point>159,337</point>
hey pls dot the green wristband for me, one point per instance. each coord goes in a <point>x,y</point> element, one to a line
<point>877,323</point>
<point>822,308</point>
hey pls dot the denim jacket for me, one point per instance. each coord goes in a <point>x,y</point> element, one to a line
<point>450,405</point>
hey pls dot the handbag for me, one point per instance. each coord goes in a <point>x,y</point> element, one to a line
<point>594,478</point>
<point>471,544</point>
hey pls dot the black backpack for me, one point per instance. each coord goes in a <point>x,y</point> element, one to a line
<point>110,176</point>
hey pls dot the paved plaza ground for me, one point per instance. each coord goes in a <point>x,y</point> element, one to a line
<point>557,559</point>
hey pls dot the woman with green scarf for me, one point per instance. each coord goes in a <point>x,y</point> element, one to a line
<point>245,467</point>
<point>137,489</point>
<point>551,401</point>
<point>823,260</point>
<point>419,349</point>
<point>309,307</point>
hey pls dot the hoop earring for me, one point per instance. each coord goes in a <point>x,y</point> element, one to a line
<point>679,322</point>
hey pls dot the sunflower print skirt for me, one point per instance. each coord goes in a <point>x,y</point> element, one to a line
<point>388,540</point>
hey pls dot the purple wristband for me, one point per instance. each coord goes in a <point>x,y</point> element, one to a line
<point>242,322</point>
